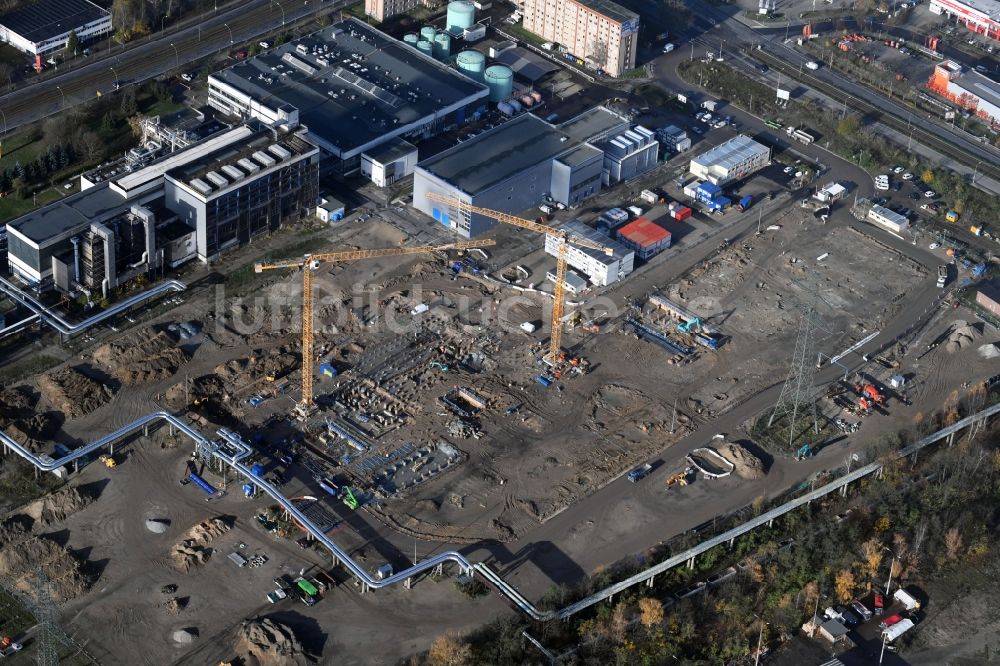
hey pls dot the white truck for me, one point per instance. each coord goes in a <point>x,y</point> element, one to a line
<point>893,632</point>
<point>907,599</point>
<point>813,65</point>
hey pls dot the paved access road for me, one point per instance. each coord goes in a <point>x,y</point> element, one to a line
<point>139,62</point>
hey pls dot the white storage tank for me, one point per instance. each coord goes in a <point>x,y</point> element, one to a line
<point>461,15</point>
<point>427,33</point>
<point>425,46</point>
<point>411,39</point>
<point>442,45</point>
<point>472,64</point>
<point>500,80</point>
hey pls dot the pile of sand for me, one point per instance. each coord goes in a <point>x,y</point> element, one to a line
<point>184,636</point>
<point>72,392</point>
<point>962,335</point>
<point>157,525</point>
<point>193,550</point>
<point>748,466</point>
<point>264,642</point>
<point>35,432</point>
<point>990,351</point>
<point>141,357</point>
<point>60,567</point>
<point>56,507</point>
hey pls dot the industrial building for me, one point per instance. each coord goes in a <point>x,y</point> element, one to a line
<point>830,192</point>
<point>329,209</point>
<point>197,202</point>
<point>731,160</point>
<point>980,16</point>
<point>988,296</point>
<point>601,269</point>
<point>977,94</point>
<point>352,87</point>
<point>599,33</point>
<point>630,154</point>
<point>43,26</point>
<point>573,283</point>
<point>888,219</point>
<point>673,138</point>
<point>515,166</point>
<point>389,162</point>
<point>645,237</point>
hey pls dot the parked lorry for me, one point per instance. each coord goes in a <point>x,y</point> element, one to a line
<point>895,631</point>
<point>908,600</point>
<point>745,202</point>
<point>640,472</point>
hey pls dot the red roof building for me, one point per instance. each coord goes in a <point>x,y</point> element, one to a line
<point>645,237</point>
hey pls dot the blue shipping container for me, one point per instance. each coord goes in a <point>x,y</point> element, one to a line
<point>544,381</point>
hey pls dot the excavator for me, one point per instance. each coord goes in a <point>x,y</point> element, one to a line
<point>349,499</point>
<point>682,478</point>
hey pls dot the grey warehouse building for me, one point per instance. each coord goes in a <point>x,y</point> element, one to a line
<point>513,167</point>
<point>193,203</point>
<point>353,87</point>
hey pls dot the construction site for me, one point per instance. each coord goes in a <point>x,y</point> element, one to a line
<point>408,399</point>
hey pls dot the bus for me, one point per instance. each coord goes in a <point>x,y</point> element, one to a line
<point>774,124</point>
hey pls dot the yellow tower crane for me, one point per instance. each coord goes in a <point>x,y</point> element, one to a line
<point>564,238</point>
<point>311,262</point>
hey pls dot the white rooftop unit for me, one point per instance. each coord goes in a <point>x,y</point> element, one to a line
<point>201,186</point>
<point>216,179</point>
<point>248,166</point>
<point>234,173</point>
<point>279,151</point>
<point>264,159</point>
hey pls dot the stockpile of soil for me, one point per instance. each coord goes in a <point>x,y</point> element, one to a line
<point>72,392</point>
<point>748,466</point>
<point>962,335</point>
<point>141,358</point>
<point>193,550</point>
<point>62,570</point>
<point>16,403</point>
<point>275,363</point>
<point>56,507</point>
<point>200,388</point>
<point>264,642</point>
<point>19,421</point>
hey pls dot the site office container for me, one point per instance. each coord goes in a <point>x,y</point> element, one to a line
<point>682,213</point>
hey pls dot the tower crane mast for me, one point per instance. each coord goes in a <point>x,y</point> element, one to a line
<point>312,262</point>
<point>564,239</point>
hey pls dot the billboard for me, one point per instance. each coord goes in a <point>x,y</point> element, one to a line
<point>783,94</point>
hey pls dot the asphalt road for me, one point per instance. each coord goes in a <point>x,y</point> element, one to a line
<point>150,59</point>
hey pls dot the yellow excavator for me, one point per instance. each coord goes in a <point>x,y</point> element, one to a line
<point>681,478</point>
<point>108,461</point>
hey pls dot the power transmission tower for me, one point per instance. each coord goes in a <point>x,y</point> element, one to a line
<point>42,606</point>
<point>797,399</point>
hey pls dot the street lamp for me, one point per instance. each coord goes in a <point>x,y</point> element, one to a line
<point>882,653</point>
<point>162,19</point>
<point>974,172</point>
<point>760,640</point>
<point>231,40</point>
<point>274,2</point>
<point>113,72</point>
<point>895,557</point>
<point>177,56</point>
<point>59,88</point>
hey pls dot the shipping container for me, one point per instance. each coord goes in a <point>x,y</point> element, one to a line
<point>681,213</point>
<point>543,380</point>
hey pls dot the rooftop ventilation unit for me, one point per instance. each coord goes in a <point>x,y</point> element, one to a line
<point>248,166</point>
<point>216,179</point>
<point>201,186</point>
<point>280,152</point>
<point>264,159</point>
<point>234,173</point>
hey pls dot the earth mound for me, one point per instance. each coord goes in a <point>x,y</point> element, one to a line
<point>141,358</point>
<point>72,392</point>
<point>748,466</point>
<point>193,550</point>
<point>264,642</point>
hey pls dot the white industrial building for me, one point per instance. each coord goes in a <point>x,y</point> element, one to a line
<point>629,154</point>
<point>673,138</point>
<point>41,27</point>
<point>730,161</point>
<point>830,192</point>
<point>389,162</point>
<point>888,219</point>
<point>600,268</point>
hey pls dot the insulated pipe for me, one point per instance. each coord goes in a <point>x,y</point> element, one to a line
<point>75,240</point>
<point>67,328</point>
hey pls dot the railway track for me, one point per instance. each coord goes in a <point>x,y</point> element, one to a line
<point>922,135</point>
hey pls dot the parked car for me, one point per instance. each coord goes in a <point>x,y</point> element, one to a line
<point>667,48</point>
<point>907,176</point>
<point>847,617</point>
<point>897,169</point>
<point>930,194</point>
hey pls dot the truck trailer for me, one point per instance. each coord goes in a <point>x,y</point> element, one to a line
<point>895,631</point>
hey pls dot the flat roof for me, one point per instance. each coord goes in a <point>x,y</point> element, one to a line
<point>224,166</point>
<point>989,7</point>
<point>573,281</point>
<point>578,228</point>
<point>93,204</point>
<point>178,159</point>
<point>44,19</point>
<point>612,10</point>
<point>981,86</point>
<point>990,289</point>
<point>594,125</point>
<point>581,154</point>
<point>644,232</point>
<point>732,153</point>
<point>353,84</point>
<point>496,155</point>
<point>390,151</point>
<point>526,64</point>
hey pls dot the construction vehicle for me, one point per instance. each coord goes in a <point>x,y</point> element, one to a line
<point>555,355</point>
<point>439,366</point>
<point>873,394</point>
<point>108,461</point>
<point>349,499</point>
<point>681,478</point>
<point>804,451</point>
<point>312,262</point>
<point>864,406</point>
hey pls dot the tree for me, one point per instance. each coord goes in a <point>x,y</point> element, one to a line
<point>848,126</point>
<point>72,43</point>
<point>449,650</point>
<point>871,552</point>
<point>89,146</point>
<point>129,107</point>
<point>619,623</point>
<point>927,176</point>
<point>952,543</point>
<point>650,612</point>
<point>844,585</point>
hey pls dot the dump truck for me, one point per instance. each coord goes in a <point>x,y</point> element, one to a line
<point>640,472</point>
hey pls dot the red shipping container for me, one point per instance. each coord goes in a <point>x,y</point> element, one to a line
<point>681,213</point>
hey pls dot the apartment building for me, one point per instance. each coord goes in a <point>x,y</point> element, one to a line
<point>601,33</point>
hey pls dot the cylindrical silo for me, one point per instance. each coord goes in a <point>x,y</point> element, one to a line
<point>500,81</point>
<point>411,39</point>
<point>425,46</point>
<point>427,33</point>
<point>461,15</point>
<point>442,45</point>
<point>472,64</point>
